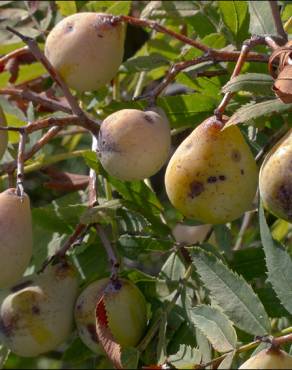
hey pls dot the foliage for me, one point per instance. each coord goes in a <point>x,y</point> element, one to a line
<point>239,283</point>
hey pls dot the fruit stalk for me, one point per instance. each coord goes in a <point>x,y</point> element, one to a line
<point>20,164</point>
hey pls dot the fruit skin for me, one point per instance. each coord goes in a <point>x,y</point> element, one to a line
<point>86,49</point>
<point>275,179</point>
<point>212,176</point>
<point>3,134</point>
<point>134,144</point>
<point>269,359</point>
<point>16,236</point>
<point>37,315</point>
<point>125,309</point>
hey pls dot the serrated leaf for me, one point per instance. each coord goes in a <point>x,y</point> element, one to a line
<point>185,358</point>
<point>103,213</point>
<point>227,361</point>
<point>279,264</point>
<point>258,83</point>
<point>232,293</point>
<point>261,18</point>
<point>234,14</point>
<point>216,326</point>
<point>255,110</point>
<point>143,63</point>
<point>66,7</point>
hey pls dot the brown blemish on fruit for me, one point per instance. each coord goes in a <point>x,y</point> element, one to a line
<point>284,196</point>
<point>20,286</point>
<point>100,36</point>
<point>69,27</point>
<point>35,310</point>
<point>196,188</point>
<point>235,155</point>
<point>222,177</point>
<point>92,332</point>
<point>211,179</point>
<point>242,171</point>
<point>148,118</point>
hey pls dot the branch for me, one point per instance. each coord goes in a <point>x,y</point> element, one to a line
<point>36,98</point>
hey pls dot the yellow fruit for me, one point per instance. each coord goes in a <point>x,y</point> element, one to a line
<point>275,180</point>
<point>125,308</point>
<point>86,49</point>
<point>16,236</point>
<point>212,176</point>
<point>3,134</point>
<point>36,317</point>
<point>269,359</point>
<point>134,144</point>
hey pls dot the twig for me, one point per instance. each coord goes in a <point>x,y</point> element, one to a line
<point>244,226</point>
<point>20,164</point>
<point>92,196</point>
<point>36,98</point>
<point>278,21</point>
<point>14,54</point>
<point>39,55</point>
<point>157,27</point>
<point>110,251</point>
<point>247,45</point>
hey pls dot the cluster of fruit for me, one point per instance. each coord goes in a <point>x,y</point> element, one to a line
<point>212,177</point>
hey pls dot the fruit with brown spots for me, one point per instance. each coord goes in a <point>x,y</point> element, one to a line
<point>125,308</point>
<point>275,180</point>
<point>212,176</point>
<point>134,144</point>
<point>86,49</point>
<point>269,359</point>
<point>37,317</point>
<point>16,236</point>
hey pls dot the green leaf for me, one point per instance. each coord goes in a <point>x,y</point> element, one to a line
<point>4,353</point>
<point>130,358</point>
<point>232,293</point>
<point>227,361</point>
<point>249,262</point>
<point>216,326</point>
<point>258,83</point>
<point>101,214</point>
<point>133,246</point>
<point>170,9</point>
<point>261,18</point>
<point>255,110</point>
<point>119,8</point>
<point>66,7</point>
<point>143,63</point>
<point>77,352</point>
<point>234,14</point>
<point>185,358</point>
<point>279,264</point>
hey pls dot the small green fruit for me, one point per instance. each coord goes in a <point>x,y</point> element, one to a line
<point>269,359</point>
<point>86,49</point>
<point>212,176</point>
<point>133,144</point>
<point>16,236</point>
<point>125,308</point>
<point>36,317</point>
<point>275,180</point>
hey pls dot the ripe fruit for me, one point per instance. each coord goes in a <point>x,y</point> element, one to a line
<point>3,134</point>
<point>275,180</point>
<point>212,176</point>
<point>86,49</point>
<point>37,315</point>
<point>269,359</point>
<point>134,144</point>
<point>16,236</point>
<point>125,308</point>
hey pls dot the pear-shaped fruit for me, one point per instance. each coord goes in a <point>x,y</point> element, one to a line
<point>86,49</point>
<point>269,359</point>
<point>3,134</point>
<point>212,176</point>
<point>134,144</point>
<point>125,308</point>
<point>16,236</point>
<point>275,180</point>
<point>37,315</point>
